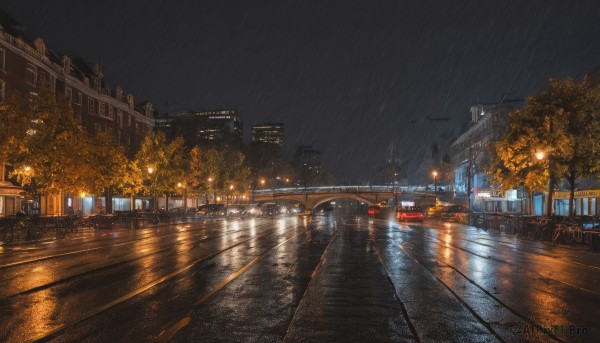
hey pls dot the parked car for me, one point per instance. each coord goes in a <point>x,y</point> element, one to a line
<point>235,210</point>
<point>212,210</point>
<point>252,210</point>
<point>454,213</point>
<point>411,213</point>
<point>273,209</point>
<point>296,209</point>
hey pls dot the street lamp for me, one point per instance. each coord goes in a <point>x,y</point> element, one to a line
<point>183,185</point>
<point>151,171</point>
<point>541,154</point>
<point>435,181</point>
<point>210,180</point>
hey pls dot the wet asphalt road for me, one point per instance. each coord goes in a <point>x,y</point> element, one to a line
<point>298,279</point>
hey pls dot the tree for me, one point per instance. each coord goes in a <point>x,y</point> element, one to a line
<point>110,166</point>
<point>554,136</point>
<point>218,171</point>
<point>44,143</point>
<point>161,165</point>
<point>237,174</point>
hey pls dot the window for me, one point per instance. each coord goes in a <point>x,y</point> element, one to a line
<point>98,128</point>
<point>130,101</point>
<point>68,94</point>
<point>31,74</point>
<point>111,113</point>
<point>129,120</point>
<point>2,54</point>
<point>79,99</point>
<point>101,109</point>
<point>118,137</point>
<point>91,106</point>
<point>120,118</point>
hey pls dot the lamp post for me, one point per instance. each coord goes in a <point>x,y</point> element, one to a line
<point>230,191</point>
<point>151,171</point>
<point>541,155</point>
<point>183,185</point>
<point>210,180</point>
<point>435,181</point>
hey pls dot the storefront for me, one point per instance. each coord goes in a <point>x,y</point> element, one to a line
<point>10,198</point>
<point>586,202</point>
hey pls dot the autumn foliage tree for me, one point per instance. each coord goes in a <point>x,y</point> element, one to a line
<point>42,141</point>
<point>554,137</point>
<point>161,164</point>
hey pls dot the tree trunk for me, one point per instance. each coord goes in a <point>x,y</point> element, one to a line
<point>550,191</point>
<point>571,180</point>
<point>108,197</point>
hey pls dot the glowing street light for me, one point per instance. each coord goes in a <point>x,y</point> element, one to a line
<point>540,155</point>
<point>151,171</point>
<point>182,185</point>
<point>435,181</point>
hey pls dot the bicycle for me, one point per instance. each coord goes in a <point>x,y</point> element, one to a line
<point>541,230</point>
<point>568,233</point>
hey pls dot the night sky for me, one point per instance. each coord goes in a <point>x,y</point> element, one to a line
<point>348,77</point>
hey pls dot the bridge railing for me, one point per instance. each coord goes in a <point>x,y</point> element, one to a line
<point>338,189</point>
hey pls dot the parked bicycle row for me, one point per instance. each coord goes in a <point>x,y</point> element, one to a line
<point>558,230</point>
<point>31,228</point>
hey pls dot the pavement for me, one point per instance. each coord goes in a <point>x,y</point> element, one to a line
<point>324,278</point>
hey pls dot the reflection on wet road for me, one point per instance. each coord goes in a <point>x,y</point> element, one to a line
<point>293,279</point>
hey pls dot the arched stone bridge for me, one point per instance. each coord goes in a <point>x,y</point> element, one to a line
<point>312,197</point>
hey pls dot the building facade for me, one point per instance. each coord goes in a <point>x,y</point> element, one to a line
<point>268,133</point>
<point>220,128</point>
<point>308,164</point>
<point>26,65</point>
<point>469,153</point>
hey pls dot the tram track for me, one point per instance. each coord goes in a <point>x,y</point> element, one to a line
<point>432,260</point>
<point>126,297</point>
<point>109,246</point>
<point>513,246</point>
<point>190,242</point>
<point>508,245</point>
<point>464,302</point>
<point>455,247</point>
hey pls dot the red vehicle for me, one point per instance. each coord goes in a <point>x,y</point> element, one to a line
<point>374,210</point>
<point>410,214</point>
